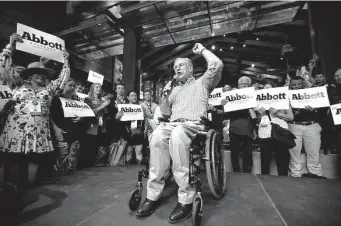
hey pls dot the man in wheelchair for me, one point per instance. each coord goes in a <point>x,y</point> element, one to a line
<point>183,107</point>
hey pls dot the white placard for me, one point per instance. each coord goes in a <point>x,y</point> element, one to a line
<point>94,77</point>
<point>216,96</point>
<point>74,108</point>
<point>40,43</point>
<point>82,96</point>
<point>316,97</point>
<point>5,95</point>
<point>132,112</point>
<point>276,98</point>
<point>240,99</point>
<point>336,113</point>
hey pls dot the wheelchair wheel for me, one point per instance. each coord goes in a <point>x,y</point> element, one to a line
<point>134,200</point>
<point>215,164</point>
<point>196,212</point>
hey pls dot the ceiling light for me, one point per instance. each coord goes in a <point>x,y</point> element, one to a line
<point>213,47</point>
<point>244,46</point>
<point>99,24</point>
<point>220,50</point>
<point>281,58</point>
<point>252,65</point>
<point>224,35</point>
<point>212,34</point>
<point>257,39</point>
<point>231,47</point>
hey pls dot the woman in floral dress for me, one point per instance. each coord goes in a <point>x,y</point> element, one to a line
<point>26,137</point>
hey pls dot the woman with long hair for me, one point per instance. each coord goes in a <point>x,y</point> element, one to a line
<point>269,146</point>
<point>96,139</point>
<point>136,139</point>
<point>67,131</point>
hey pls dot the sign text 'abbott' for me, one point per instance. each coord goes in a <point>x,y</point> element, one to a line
<point>128,109</point>
<point>74,105</point>
<point>41,40</point>
<point>268,96</point>
<point>216,95</point>
<point>307,96</point>
<point>236,97</point>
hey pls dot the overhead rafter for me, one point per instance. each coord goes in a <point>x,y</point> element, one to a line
<point>139,6</point>
<point>94,21</point>
<point>209,16</point>
<point>164,22</point>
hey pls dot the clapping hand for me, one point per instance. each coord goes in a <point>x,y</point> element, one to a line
<point>309,108</point>
<point>261,110</point>
<point>224,101</point>
<point>273,111</point>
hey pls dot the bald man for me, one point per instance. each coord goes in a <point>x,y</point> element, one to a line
<point>241,133</point>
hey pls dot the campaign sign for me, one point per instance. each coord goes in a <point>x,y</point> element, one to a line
<point>240,99</point>
<point>82,96</point>
<point>336,112</point>
<point>316,97</point>
<point>216,96</point>
<point>276,98</point>
<point>95,77</point>
<point>5,95</point>
<point>131,112</point>
<point>40,43</point>
<point>74,108</point>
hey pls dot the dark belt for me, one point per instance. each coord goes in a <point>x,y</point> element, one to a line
<point>306,123</point>
<point>181,120</point>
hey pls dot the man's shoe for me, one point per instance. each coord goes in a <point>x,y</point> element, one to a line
<point>180,213</point>
<point>147,208</point>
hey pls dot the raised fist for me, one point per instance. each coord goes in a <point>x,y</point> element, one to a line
<point>66,55</point>
<point>198,48</point>
<point>15,38</point>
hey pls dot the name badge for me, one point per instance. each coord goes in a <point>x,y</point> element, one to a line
<point>34,107</point>
<point>133,125</point>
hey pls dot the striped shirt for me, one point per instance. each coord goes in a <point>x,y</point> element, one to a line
<point>190,101</point>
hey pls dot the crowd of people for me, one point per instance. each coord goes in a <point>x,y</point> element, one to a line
<point>35,134</point>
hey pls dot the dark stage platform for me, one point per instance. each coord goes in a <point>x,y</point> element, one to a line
<point>99,197</point>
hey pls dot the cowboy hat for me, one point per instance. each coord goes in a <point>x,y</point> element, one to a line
<point>37,68</point>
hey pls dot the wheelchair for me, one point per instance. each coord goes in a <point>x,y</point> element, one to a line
<point>205,147</point>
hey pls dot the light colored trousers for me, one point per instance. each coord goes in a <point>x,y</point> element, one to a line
<point>310,137</point>
<point>171,141</point>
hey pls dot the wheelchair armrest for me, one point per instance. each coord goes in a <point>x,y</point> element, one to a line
<point>162,119</point>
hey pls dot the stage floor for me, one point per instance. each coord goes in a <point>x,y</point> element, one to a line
<point>98,197</point>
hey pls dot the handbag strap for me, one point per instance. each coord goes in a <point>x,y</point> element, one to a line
<point>267,112</point>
